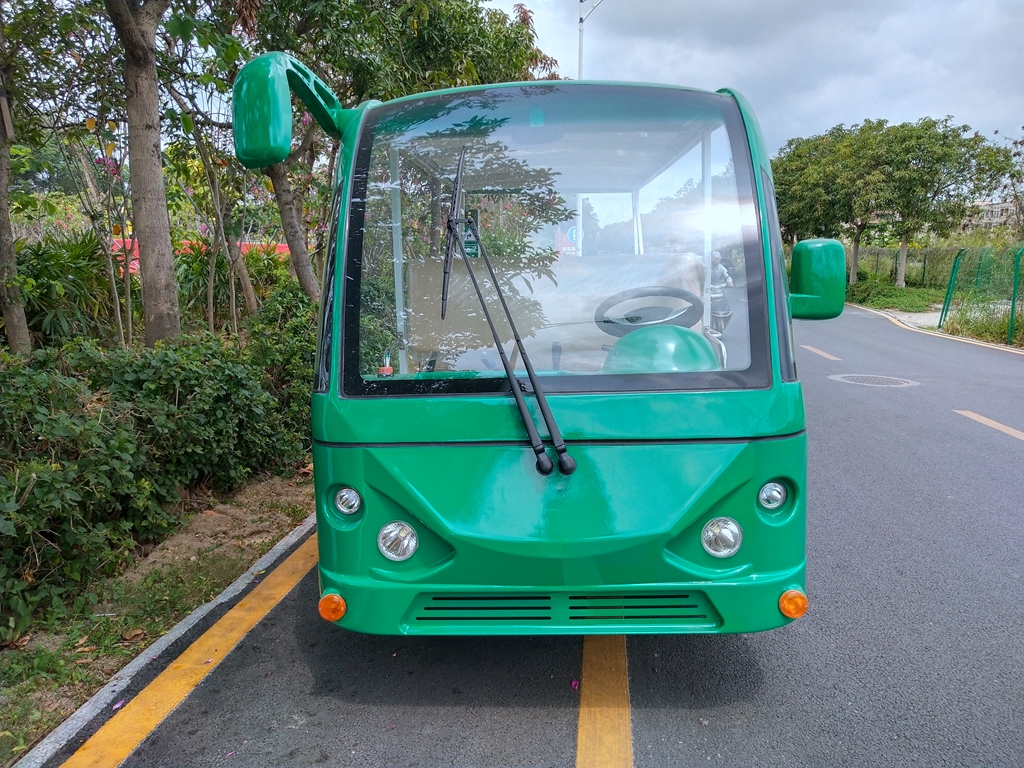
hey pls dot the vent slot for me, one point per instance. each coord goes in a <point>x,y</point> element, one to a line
<point>673,607</point>
<point>518,608</point>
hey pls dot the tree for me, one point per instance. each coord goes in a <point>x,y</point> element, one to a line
<point>831,184</point>
<point>383,49</point>
<point>934,170</point>
<point>136,24</point>
<point>22,31</point>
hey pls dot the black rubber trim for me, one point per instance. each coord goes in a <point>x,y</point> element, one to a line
<point>526,443</point>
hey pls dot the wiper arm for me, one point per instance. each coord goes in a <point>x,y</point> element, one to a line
<point>453,234</point>
<point>566,464</point>
<point>454,239</point>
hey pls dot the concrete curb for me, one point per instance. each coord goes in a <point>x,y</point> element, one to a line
<point>939,334</point>
<point>102,699</point>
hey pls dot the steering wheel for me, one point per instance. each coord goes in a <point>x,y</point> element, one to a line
<point>650,315</point>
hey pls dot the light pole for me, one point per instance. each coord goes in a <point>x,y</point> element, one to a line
<point>593,7</point>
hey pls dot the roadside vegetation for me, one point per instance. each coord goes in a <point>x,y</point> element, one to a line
<point>931,213</point>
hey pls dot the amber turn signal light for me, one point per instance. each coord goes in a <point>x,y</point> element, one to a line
<point>793,603</point>
<point>332,607</point>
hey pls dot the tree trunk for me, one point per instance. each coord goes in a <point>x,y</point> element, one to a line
<point>15,324</point>
<point>91,200</point>
<point>252,304</point>
<point>293,232</point>
<point>855,255</point>
<point>901,265</point>
<point>136,31</point>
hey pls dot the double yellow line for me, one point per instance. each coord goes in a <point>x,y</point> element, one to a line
<point>603,740</point>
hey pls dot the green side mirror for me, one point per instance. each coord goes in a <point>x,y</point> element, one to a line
<point>817,279</point>
<point>262,107</point>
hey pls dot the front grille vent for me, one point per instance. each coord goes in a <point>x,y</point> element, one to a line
<point>517,608</point>
<point>678,607</point>
<point>675,608</point>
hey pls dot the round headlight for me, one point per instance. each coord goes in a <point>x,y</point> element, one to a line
<point>347,501</point>
<point>722,537</point>
<point>397,541</point>
<point>772,496</point>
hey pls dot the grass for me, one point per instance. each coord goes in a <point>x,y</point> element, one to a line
<point>66,660</point>
<point>984,320</point>
<point>882,295</point>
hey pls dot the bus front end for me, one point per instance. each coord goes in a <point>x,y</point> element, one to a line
<point>626,235</point>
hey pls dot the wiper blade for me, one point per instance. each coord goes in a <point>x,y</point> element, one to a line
<point>455,239</point>
<point>566,464</point>
<point>453,231</point>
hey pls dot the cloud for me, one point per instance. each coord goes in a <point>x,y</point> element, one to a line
<point>808,65</point>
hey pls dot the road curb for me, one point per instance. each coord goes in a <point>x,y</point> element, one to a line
<point>901,324</point>
<point>101,700</point>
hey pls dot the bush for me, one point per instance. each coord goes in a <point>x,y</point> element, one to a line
<point>282,343</point>
<point>64,280</point>
<point>881,295</point>
<point>95,445</point>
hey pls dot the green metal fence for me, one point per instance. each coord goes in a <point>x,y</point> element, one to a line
<point>983,295</point>
<point>926,267</point>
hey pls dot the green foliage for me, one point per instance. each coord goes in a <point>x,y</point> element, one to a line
<point>96,445</point>
<point>883,295</point>
<point>64,282</point>
<point>282,343</point>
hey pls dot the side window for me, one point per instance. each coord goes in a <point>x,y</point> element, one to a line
<point>322,368</point>
<point>782,322</point>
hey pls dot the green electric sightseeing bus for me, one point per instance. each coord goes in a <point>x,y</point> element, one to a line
<point>555,389</point>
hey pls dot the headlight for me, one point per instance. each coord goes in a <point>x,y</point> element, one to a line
<point>772,496</point>
<point>347,501</point>
<point>397,541</point>
<point>722,537</point>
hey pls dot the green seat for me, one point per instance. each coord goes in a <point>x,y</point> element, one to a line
<point>661,349</point>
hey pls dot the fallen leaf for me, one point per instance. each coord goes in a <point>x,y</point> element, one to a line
<point>82,640</point>
<point>86,649</point>
<point>134,634</point>
<point>86,660</point>
<point>21,642</point>
<point>575,685</point>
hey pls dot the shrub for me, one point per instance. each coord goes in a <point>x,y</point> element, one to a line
<point>95,445</point>
<point>282,343</point>
<point>64,280</point>
<point>882,295</point>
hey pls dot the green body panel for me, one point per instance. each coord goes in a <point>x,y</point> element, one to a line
<point>613,548</point>
<point>818,279</point>
<point>625,525</point>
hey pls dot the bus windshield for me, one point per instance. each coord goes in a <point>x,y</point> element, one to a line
<point>620,221</point>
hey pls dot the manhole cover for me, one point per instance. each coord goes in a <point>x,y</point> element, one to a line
<point>873,381</point>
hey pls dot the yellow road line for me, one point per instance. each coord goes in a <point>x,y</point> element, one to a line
<point>604,738</point>
<point>994,424</point>
<point>112,743</point>
<point>826,355</point>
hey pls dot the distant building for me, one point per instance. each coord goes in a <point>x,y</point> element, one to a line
<point>992,213</point>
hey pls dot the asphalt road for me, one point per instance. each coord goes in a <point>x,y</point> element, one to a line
<point>912,653</point>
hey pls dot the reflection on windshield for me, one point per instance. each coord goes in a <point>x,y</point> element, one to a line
<point>614,216</point>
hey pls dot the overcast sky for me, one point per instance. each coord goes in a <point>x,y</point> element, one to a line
<point>806,65</point>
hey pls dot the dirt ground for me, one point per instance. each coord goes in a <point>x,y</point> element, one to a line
<point>260,514</point>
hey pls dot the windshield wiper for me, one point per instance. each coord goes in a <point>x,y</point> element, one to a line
<point>566,464</point>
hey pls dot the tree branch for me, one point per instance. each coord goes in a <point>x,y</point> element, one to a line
<point>128,31</point>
